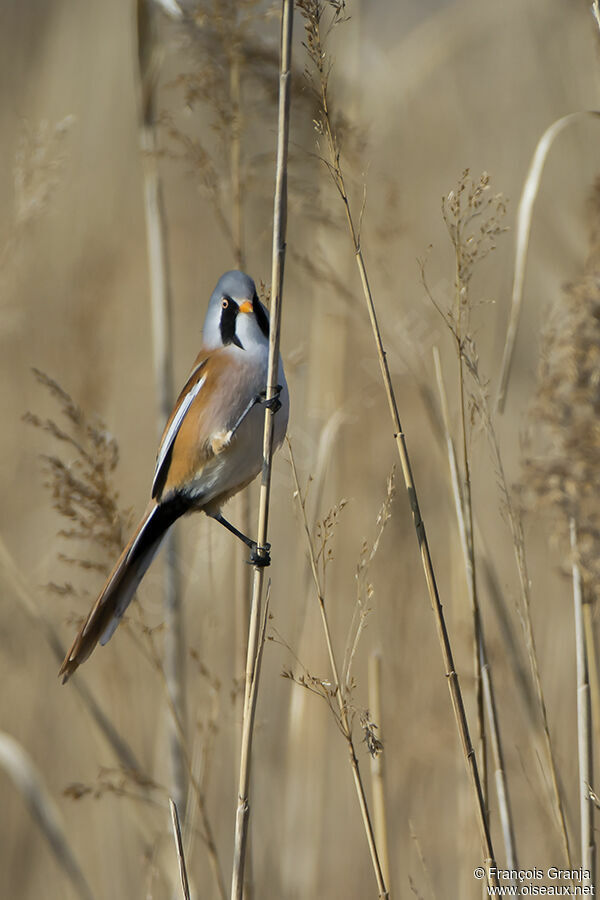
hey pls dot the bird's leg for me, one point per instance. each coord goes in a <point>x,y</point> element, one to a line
<point>273,404</point>
<point>222,439</point>
<point>255,557</point>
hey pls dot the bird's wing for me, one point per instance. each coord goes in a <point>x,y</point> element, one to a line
<point>192,388</point>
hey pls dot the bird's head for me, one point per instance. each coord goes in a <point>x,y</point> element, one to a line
<point>235,315</point>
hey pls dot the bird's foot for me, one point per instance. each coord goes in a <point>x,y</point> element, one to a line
<point>259,559</point>
<point>273,403</point>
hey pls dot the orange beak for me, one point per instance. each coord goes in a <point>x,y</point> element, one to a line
<point>246,306</point>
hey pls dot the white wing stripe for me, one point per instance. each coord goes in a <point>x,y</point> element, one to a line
<point>175,426</point>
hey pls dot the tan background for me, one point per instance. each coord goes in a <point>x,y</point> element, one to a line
<point>432,88</point>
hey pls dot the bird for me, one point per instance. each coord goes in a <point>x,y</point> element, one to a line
<point>211,448</point>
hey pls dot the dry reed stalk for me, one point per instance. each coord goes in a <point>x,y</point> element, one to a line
<point>242,600</point>
<point>304,826</point>
<point>243,807</point>
<point>594,673</point>
<point>242,572</point>
<point>242,587</point>
<point>185,887</point>
<point>235,156</point>
<point>255,643</point>
<point>338,688</point>
<point>470,203</point>
<point>584,729</point>
<point>30,784</point>
<point>487,684</point>
<point>506,629</point>
<point>312,11</point>
<point>377,781</point>
<point>463,497</point>
<point>523,230</point>
<point>486,563</point>
<point>518,541</point>
<point>148,57</point>
<point>460,208</point>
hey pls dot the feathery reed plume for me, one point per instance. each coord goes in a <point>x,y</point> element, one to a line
<point>149,57</point>
<point>336,693</point>
<point>82,489</point>
<point>561,462</point>
<point>256,628</point>
<point>219,42</point>
<point>83,493</point>
<point>481,409</point>
<point>317,29</point>
<point>477,246</point>
<point>470,202</point>
<point>38,168</point>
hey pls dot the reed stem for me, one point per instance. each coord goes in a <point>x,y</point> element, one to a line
<point>584,724</point>
<point>254,633</point>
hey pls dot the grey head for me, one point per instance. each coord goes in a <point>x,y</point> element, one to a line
<point>235,316</point>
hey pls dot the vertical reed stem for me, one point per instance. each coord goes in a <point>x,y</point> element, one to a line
<point>162,345</point>
<point>185,887</point>
<point>377,784</point>
<point>584,730</point>
<point>486,675</point>
<point>254,642</point>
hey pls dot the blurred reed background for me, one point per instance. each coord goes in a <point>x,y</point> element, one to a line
<point>419,92</point>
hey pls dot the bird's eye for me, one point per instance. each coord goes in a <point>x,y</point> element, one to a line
<point>224,302</point>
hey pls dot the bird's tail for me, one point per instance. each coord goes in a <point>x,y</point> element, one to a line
<point>122,583</point>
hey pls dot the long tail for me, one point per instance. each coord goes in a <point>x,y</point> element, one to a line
<point>122,583</point>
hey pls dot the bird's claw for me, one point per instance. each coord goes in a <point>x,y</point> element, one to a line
<point>260,559</point>
<point>273,403</point>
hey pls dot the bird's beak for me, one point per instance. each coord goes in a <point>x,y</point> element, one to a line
<point>246,306</point>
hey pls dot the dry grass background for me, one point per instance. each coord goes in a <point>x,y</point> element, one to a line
<point>427,89</point>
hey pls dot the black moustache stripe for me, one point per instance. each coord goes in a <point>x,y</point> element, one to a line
<point>261,316</point>
<point>227,325</point>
